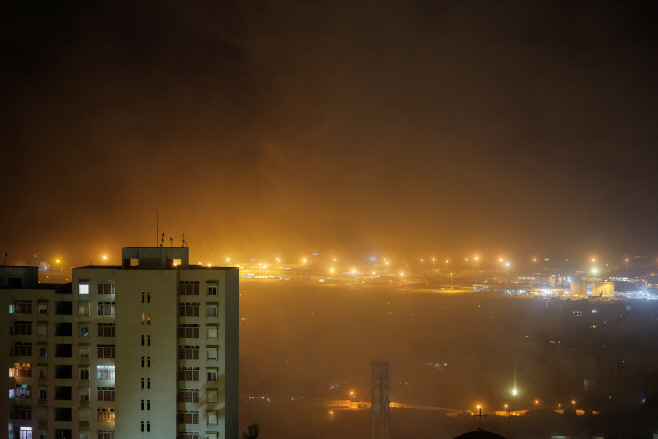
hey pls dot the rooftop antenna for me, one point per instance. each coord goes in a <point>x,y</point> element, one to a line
<point>157,227</point>
<point>171,240</point>
<point>184,243</point>
<point>162,242</point>
<point>480,415</point>
<point>5,259</point>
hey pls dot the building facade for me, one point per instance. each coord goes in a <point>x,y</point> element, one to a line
<point>145,349</point>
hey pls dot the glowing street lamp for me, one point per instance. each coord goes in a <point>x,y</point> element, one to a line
<point>332,415</point>
<point>505,407</point>
<point>446,264</point>
<point>432,263</point>
<point>351,394</point>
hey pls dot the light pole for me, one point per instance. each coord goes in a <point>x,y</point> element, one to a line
<point>574,405</point>
<point>351,394</point>
<point>450,280</point>
<point>446,265</point>
<point>432,264</point>
<point>332,415</point>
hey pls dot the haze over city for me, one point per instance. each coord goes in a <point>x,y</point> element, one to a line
<point>465,190</point>
<point>282,128</point>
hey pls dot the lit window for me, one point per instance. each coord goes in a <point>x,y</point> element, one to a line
<point>105,415</point>
<point>211,331</point>
<point>212,417</point>
<point>84,331</point>
<point>148,319</point>
<point>105,372</point>
<point>83,308</point>
<point>83,289</point>
<point>143,318</point>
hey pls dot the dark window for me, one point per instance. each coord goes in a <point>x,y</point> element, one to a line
<point>105,288</point>
<point>63,350</point>
<point>22,328</point>
<point>106,330</point>
<point>62,414</point>
<point>63,329</point>
<point>23,349</point>
<point>188,374</point>
<point>64,308</point>
<point>63,371</point>
<point>188,395</point>
<point>105,393</point>
<point>188,331</point>
<point>105,308</point>
<point>23,307</point>
<point>65,433</point>
<point>188,288</point>
<point>21,412</point>
<point>188,417</point>
<point>105,351</point>
<point>189,309</point>
<point>63,393</point>
<point>188,353</point>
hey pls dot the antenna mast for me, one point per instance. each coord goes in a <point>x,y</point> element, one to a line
<point>157,227</point>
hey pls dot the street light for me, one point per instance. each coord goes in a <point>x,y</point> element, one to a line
<point>446,265</point>
<point>450,280</point>
<point>332,415</point>
<point>351,394</point>
<point>433,263</point>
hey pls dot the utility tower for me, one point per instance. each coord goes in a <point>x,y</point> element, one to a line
<point>381,414</point>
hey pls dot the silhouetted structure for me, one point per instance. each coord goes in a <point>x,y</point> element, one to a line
<point>381,413</point>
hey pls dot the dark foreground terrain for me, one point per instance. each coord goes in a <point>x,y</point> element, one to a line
<point>301,341</point>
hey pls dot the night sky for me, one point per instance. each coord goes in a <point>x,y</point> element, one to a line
<point>348,127</point>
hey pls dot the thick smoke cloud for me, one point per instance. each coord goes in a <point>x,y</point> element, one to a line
<point>279,126</point>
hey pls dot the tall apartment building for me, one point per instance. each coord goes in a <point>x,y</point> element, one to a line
<point>148,349</point>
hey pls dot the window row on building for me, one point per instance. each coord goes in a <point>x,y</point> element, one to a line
<point>191,417</point>
<point>192,374</point>
<point>192,352</point>
<point>62,329</point>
